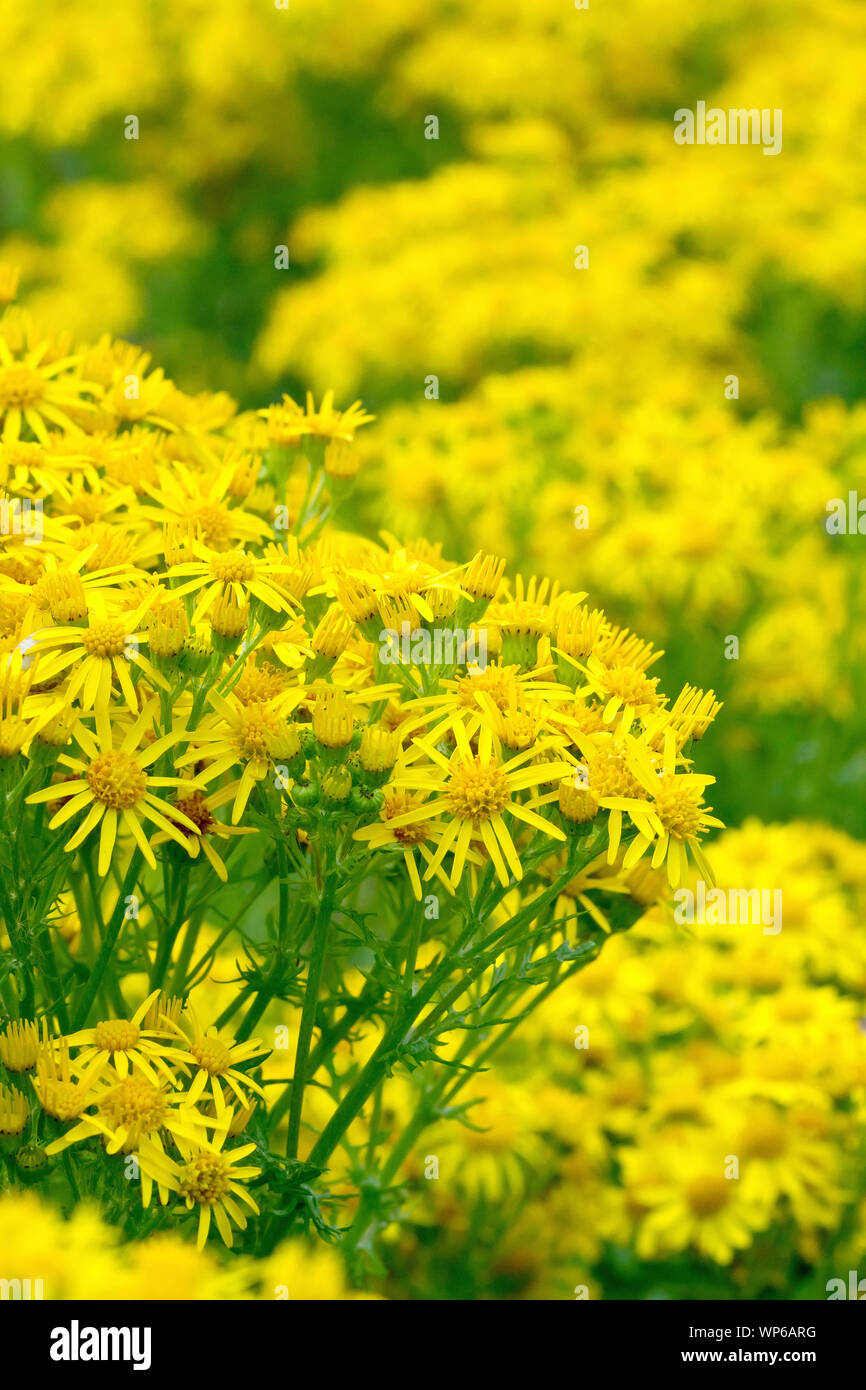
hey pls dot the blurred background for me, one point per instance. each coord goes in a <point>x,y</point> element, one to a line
<point>432,167</point>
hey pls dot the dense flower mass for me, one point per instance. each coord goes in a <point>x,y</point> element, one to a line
<point>602,1152</point>
<point>201,688</point>
<point>368,921</point>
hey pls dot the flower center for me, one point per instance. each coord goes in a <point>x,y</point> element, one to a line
<point>496,681</point>
<point>195,808</point>
<point>212,1054</point>
<point>116,780</point>
<point>707,1194</point>
<point>63,1100</point>
<point>215,525</point>
<point>233,567</point>
<point>478,791</point>
<point>764,1137</point>
<point>609,776</point>
<point>258,729</point>
<point>20,387</point>
<point>104,639</point>
<point>396,804</point>
<point>632,686</point>
<point>678,808</point>
<point>518,730</point>
<point>134,1102</point>
<point>116,1035</point>
<point>206,1178</point>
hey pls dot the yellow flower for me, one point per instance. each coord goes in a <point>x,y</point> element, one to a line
<point>217,1061</point>
<point>206,1176</point>
<point>114,789</point>
<point>674,819</point>
<point>20,1042</point>
<point>475,791</point>
<point>63,1091</point>
<point>289,422</point>
<point>256,735</point>
<point>195,806</point>
<point>128,1044</point>
<point>33,391</point>
<point>392,830</point>
<point>686,1199</point>
<point>102,652</point>
<point>301,1271</point>
<point>14,1110</point>
<point>235,573</point>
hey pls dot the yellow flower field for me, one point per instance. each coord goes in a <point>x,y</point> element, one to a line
<point>432,832</point>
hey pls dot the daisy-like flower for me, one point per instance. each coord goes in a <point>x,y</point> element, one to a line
<point>409,839</point>
<point>789,1154</point>
<point>475,696</point>
<point>207,1176</point>
<point>475,791</point>
<point>688,1201</point>
<point>690,716</point>
<point>129,1045</point>
<point>624,690</point>
<point>526,614</point>
<point>62,1087</point>
<point>256,736</point>
<point>674,818</point>
<point>38,470</point>
<point>406,585</point>
<point>33,391</point>
<point>236,574</point>
<point>130,1108</point>
<point>100,652</point>
<point>20,1043</point>
<point>14,1111</point>
<point>199,808</point>
<point>217,1061</point>
<point>201,501</point>
<point>604,781</point>
<point>66,584</point>
<point>114,789</point>
<point>22,715</point>
<point>288,422</point>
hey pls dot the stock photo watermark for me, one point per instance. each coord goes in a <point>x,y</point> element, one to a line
<point>21,516</point>
<point>729,907</point>
<point>439,646</point>
<point>737,126</point>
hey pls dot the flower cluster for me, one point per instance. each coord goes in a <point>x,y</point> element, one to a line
<point>662,1129</point>
<point>82,1259</point>
<point>198,696</point>
<point>155,1086</point>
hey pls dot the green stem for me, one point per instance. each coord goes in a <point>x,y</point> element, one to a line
<point>169,937</point>
<point>179,974</point>
<point>308,1013</point>
<point>109,941</point>
<point>492,946</point>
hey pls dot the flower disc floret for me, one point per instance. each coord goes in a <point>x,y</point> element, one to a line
<point>21,387</point>
<point>116,780</point>
<point>116,1035</point>
<point>106,638</point>
<point>233,568</point>
<point>206,1178</point>
<point>212,1054</point>
<point>478,791</point>
<point>680,809</point>
<point>134,1103</point>
<point>707,1193</point>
